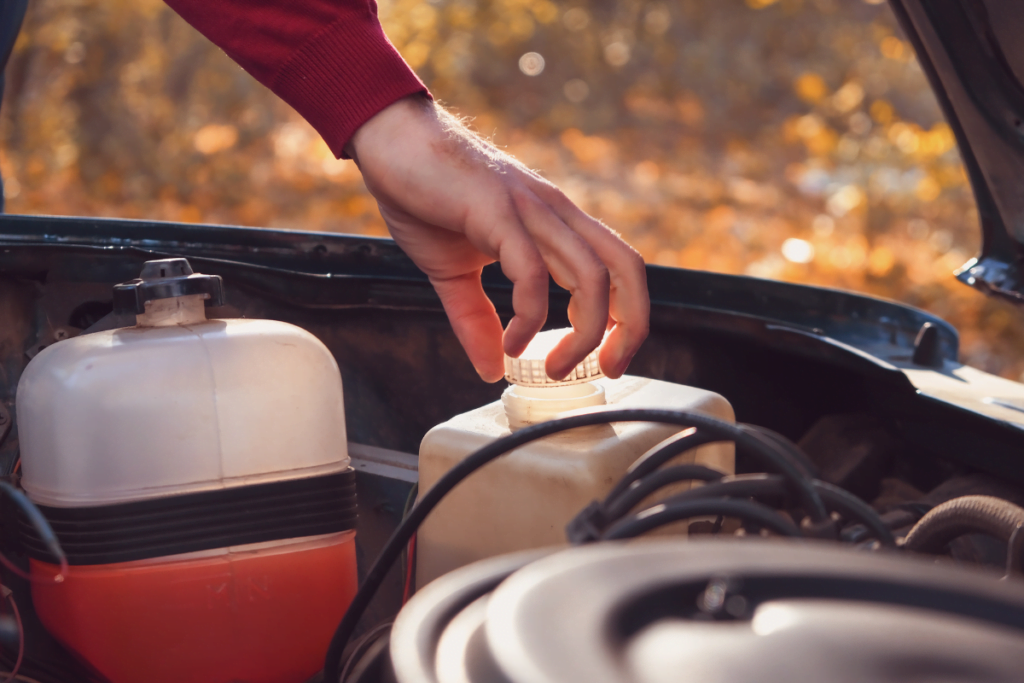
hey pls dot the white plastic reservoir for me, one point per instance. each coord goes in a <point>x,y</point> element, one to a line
<point>525,499</point>
<point>197,475</point>
<point>178,404</point>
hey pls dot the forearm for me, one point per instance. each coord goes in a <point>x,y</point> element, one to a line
<point>328,59</point>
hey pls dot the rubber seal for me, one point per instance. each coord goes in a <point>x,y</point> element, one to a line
<point>186,523</point>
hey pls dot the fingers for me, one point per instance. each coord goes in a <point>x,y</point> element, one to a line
<point>475,322</point>
<point>523,265</point>
<point>629,304</point>
<point>574,266</point>
<point>454,203</point>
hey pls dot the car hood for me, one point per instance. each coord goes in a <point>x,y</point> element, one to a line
<point>973,56</point>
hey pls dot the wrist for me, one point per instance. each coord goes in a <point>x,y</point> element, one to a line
<point>388,123</point>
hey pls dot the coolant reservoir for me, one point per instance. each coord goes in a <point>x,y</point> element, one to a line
<point>525,499</point>
<point>196,473</point>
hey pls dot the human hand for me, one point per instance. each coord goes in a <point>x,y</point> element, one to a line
<point>455,203</point>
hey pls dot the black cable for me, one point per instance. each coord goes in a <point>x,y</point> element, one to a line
<point>393,548</point>
<point>640,489</point>
<point>666,513</point>
<point>853,508</point>
<point>786,446</point>
<point>772,485</point>
<point>38,521</point>
<point>658,455</point>
<point>767,442</point>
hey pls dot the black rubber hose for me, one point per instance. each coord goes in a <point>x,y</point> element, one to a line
<point>676,511</point>
<point>786,446</point>
<point>658,455</point>
<point>764,485</point>
<point>38,522</point>
<point>393,548</point>
<point>961,516</point>
<point>651,483</point>
<point>853,508</point>
<point>759,442</point>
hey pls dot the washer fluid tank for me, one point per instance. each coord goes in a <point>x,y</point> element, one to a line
<point>196,473</point>
<point>526,498</point>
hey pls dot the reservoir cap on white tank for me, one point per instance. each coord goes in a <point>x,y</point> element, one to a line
<point>178,403</point>
<point>533,397</point>
<point>528,370</point>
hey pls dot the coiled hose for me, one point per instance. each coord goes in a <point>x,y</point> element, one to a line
<point>987,515</point>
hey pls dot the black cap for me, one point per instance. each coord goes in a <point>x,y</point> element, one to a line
<point>166,279</point>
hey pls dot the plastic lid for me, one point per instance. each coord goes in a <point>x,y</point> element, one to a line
<point>528,370</point>
<point>166,279</point>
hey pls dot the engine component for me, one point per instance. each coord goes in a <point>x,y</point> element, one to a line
<point>525,499</point>
<point>718,611</point>
<point>196,475</point>
<point>994,517</point>
<point>768,448</point>
<point>852,450</point>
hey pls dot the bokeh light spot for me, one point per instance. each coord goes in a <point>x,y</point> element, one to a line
<point>215,138</point>
<point>657,20</point>
<point>531,64</point>
<point>576,90</point>
<point>617,53</point>
<point>823,225</point>
<point>797,250</point>
<point>810,87</point>
<point>576,19</point>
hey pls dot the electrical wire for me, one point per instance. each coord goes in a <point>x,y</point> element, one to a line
<point>772,485</point>
<point>772,449</point>
<point>641,488</point>
<point>676,511</point>
<point>13,676</point>
<point>360,647</point>
<point>407,553</point>
<point>657,456</point>
<point>719,430</point>
<point>15,569</point>
<point>43,528</point>
<point>410,571</point>
<point>793,451</point>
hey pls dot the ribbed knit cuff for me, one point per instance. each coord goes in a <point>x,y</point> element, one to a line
<point>343,76</point>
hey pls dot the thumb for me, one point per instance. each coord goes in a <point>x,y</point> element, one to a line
<point>475,322</point>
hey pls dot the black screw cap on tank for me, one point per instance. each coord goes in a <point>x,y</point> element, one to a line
<point>927,349</point>
<point>166,279</point>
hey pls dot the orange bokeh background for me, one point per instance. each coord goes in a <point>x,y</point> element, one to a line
<point>787,139</point>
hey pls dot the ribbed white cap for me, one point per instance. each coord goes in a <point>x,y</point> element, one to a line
<point>528,369</point>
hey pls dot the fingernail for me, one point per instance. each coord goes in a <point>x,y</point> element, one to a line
<point>558,374</point>
<point>480,373</point>
<point>625,365</point>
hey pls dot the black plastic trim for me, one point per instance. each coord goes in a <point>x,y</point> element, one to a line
<point>191,522</point>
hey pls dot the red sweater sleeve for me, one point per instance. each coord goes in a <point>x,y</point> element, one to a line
<point>329,59</point>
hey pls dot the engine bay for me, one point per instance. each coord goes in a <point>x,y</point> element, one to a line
<point>854,426</point>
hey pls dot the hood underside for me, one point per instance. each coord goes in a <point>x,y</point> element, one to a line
<point>973,56</point>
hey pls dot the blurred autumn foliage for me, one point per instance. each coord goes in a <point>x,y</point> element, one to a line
<point>789,139</point>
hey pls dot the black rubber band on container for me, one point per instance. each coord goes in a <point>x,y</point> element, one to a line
<point>172,525</point>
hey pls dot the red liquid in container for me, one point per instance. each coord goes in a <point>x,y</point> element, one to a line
<point>262,615</point>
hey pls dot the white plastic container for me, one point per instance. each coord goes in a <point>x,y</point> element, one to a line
<point>175,405</point>
<point>197,475</point>
<point>525,499</point>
